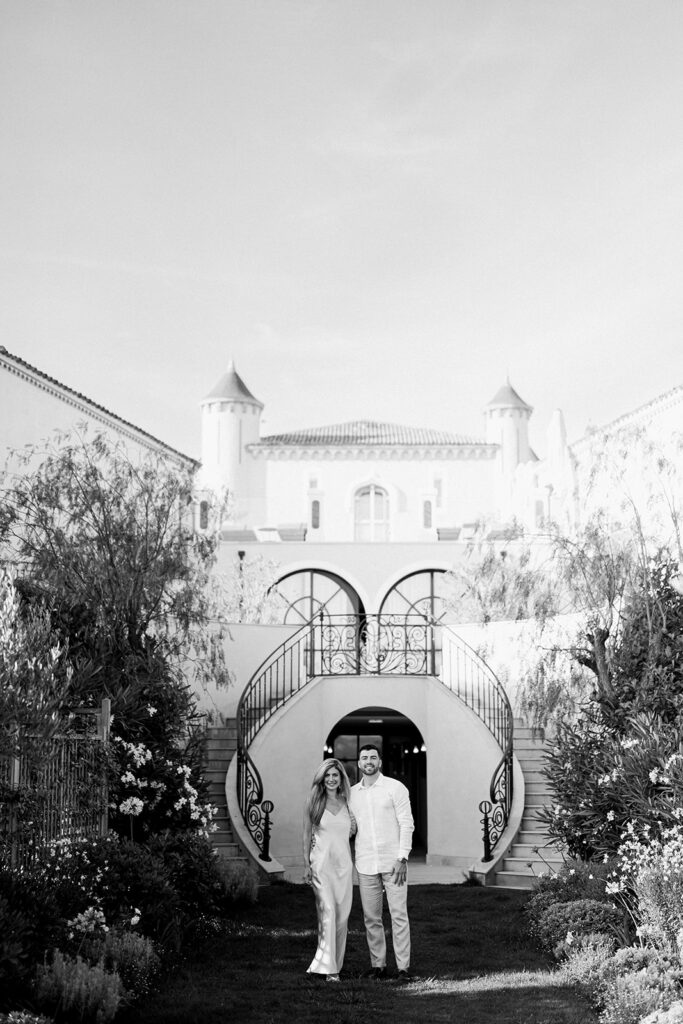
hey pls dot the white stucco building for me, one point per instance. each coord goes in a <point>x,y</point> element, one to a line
<point>351,529</point>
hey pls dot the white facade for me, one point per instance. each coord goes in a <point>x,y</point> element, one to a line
<point>359,481</point>
<point>359,520</point>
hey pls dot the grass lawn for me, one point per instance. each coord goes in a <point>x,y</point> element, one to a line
<point>472,962</point>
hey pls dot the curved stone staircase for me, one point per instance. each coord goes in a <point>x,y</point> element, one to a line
<point>220,744</point>
<point>532,852</point>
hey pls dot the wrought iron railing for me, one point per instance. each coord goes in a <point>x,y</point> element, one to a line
<point>374,645</point>
<point>370,645</point>
<point>281,675</point>
<point>475,683</point>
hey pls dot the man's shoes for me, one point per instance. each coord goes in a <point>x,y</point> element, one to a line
<point>375,973</point>
<point>404,976</point>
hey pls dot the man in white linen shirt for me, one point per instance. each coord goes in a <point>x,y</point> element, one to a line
<point>381,807</point>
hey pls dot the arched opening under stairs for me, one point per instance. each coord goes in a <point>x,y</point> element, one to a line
<point>403,752</point>
<point>299,596</point>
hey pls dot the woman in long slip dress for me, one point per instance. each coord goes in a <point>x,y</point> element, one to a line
<point>328,827</point>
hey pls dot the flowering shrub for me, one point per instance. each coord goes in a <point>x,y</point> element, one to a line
<point>674,1015</point>
<point>22,1017</point>
<point>590,963</point>
<point>81,991</point>
<point>602,779</point>
<point>649,882</point>
<point>630,997</point>
<point>574,881</point>
<point>153,792</point>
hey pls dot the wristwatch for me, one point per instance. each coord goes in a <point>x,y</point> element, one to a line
<point>403,860</point>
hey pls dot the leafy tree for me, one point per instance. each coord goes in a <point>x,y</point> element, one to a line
<point>502,581</point>
<point>34,682</point>
<point>106,546</point>
<point>622,759</point>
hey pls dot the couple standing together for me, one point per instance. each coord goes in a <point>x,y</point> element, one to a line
<point>377,811</point>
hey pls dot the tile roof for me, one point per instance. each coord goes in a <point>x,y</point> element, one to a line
<point>639,417</point>
<point>69,394</point>
<point>364,433</point>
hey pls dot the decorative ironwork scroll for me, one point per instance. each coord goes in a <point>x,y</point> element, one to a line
<point>376,645</point>
<point>467,675</point>
<point>408,645</point>
<point>496,811</point>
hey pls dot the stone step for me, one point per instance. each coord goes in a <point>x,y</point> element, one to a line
<point>226,848</point>
<point>535,866</point>
<point>533,836</point>
<point>534,775</point>
<point>534,851</point>
<point>233,858</point>
<point>217,764</point>
<point>515,880</point>
<point>218,731</point>
<point>538,789</point>
<point>223,753</point>
<point>531,754</point>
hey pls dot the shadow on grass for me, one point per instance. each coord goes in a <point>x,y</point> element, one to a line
<point>472,962</point>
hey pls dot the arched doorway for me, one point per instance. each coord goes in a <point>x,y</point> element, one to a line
<point>403,751</point>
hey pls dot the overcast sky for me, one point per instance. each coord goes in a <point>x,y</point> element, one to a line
<point>378,208</point>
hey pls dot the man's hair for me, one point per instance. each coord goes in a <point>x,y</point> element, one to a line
<point>370,746</point>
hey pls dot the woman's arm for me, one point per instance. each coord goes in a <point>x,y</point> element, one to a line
<point>307,846</point>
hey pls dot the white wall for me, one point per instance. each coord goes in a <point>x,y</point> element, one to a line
<point>245,647</point>
<point>467,487</point>
<point>461,757</point>
<point>371,569</point>
<point>32,408</point>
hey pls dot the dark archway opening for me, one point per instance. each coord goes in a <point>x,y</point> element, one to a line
<point>403,750</point>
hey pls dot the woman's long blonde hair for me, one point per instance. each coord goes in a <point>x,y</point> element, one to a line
<point>315,804</point>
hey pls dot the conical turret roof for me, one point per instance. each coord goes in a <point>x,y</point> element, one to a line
<point>507,398</point>
<point>231,388</point>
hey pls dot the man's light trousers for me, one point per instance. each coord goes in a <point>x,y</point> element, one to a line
<point>371,890</point>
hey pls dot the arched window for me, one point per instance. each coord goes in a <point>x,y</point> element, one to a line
<point>299,596</point>
<point>420,593</point>
<point>427,515</point>
<point>203,515</point>
<point>315,514</point>
<point>371,514</point>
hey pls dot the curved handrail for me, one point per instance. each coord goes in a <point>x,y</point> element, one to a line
<point>479,688</point>
<point>371,645</point>
<point>274,681</point>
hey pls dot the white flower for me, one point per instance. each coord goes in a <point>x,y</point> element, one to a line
<point>610,817</point>
<point>151,710</point>
<point>133,806</point>
<point>570,938</point>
